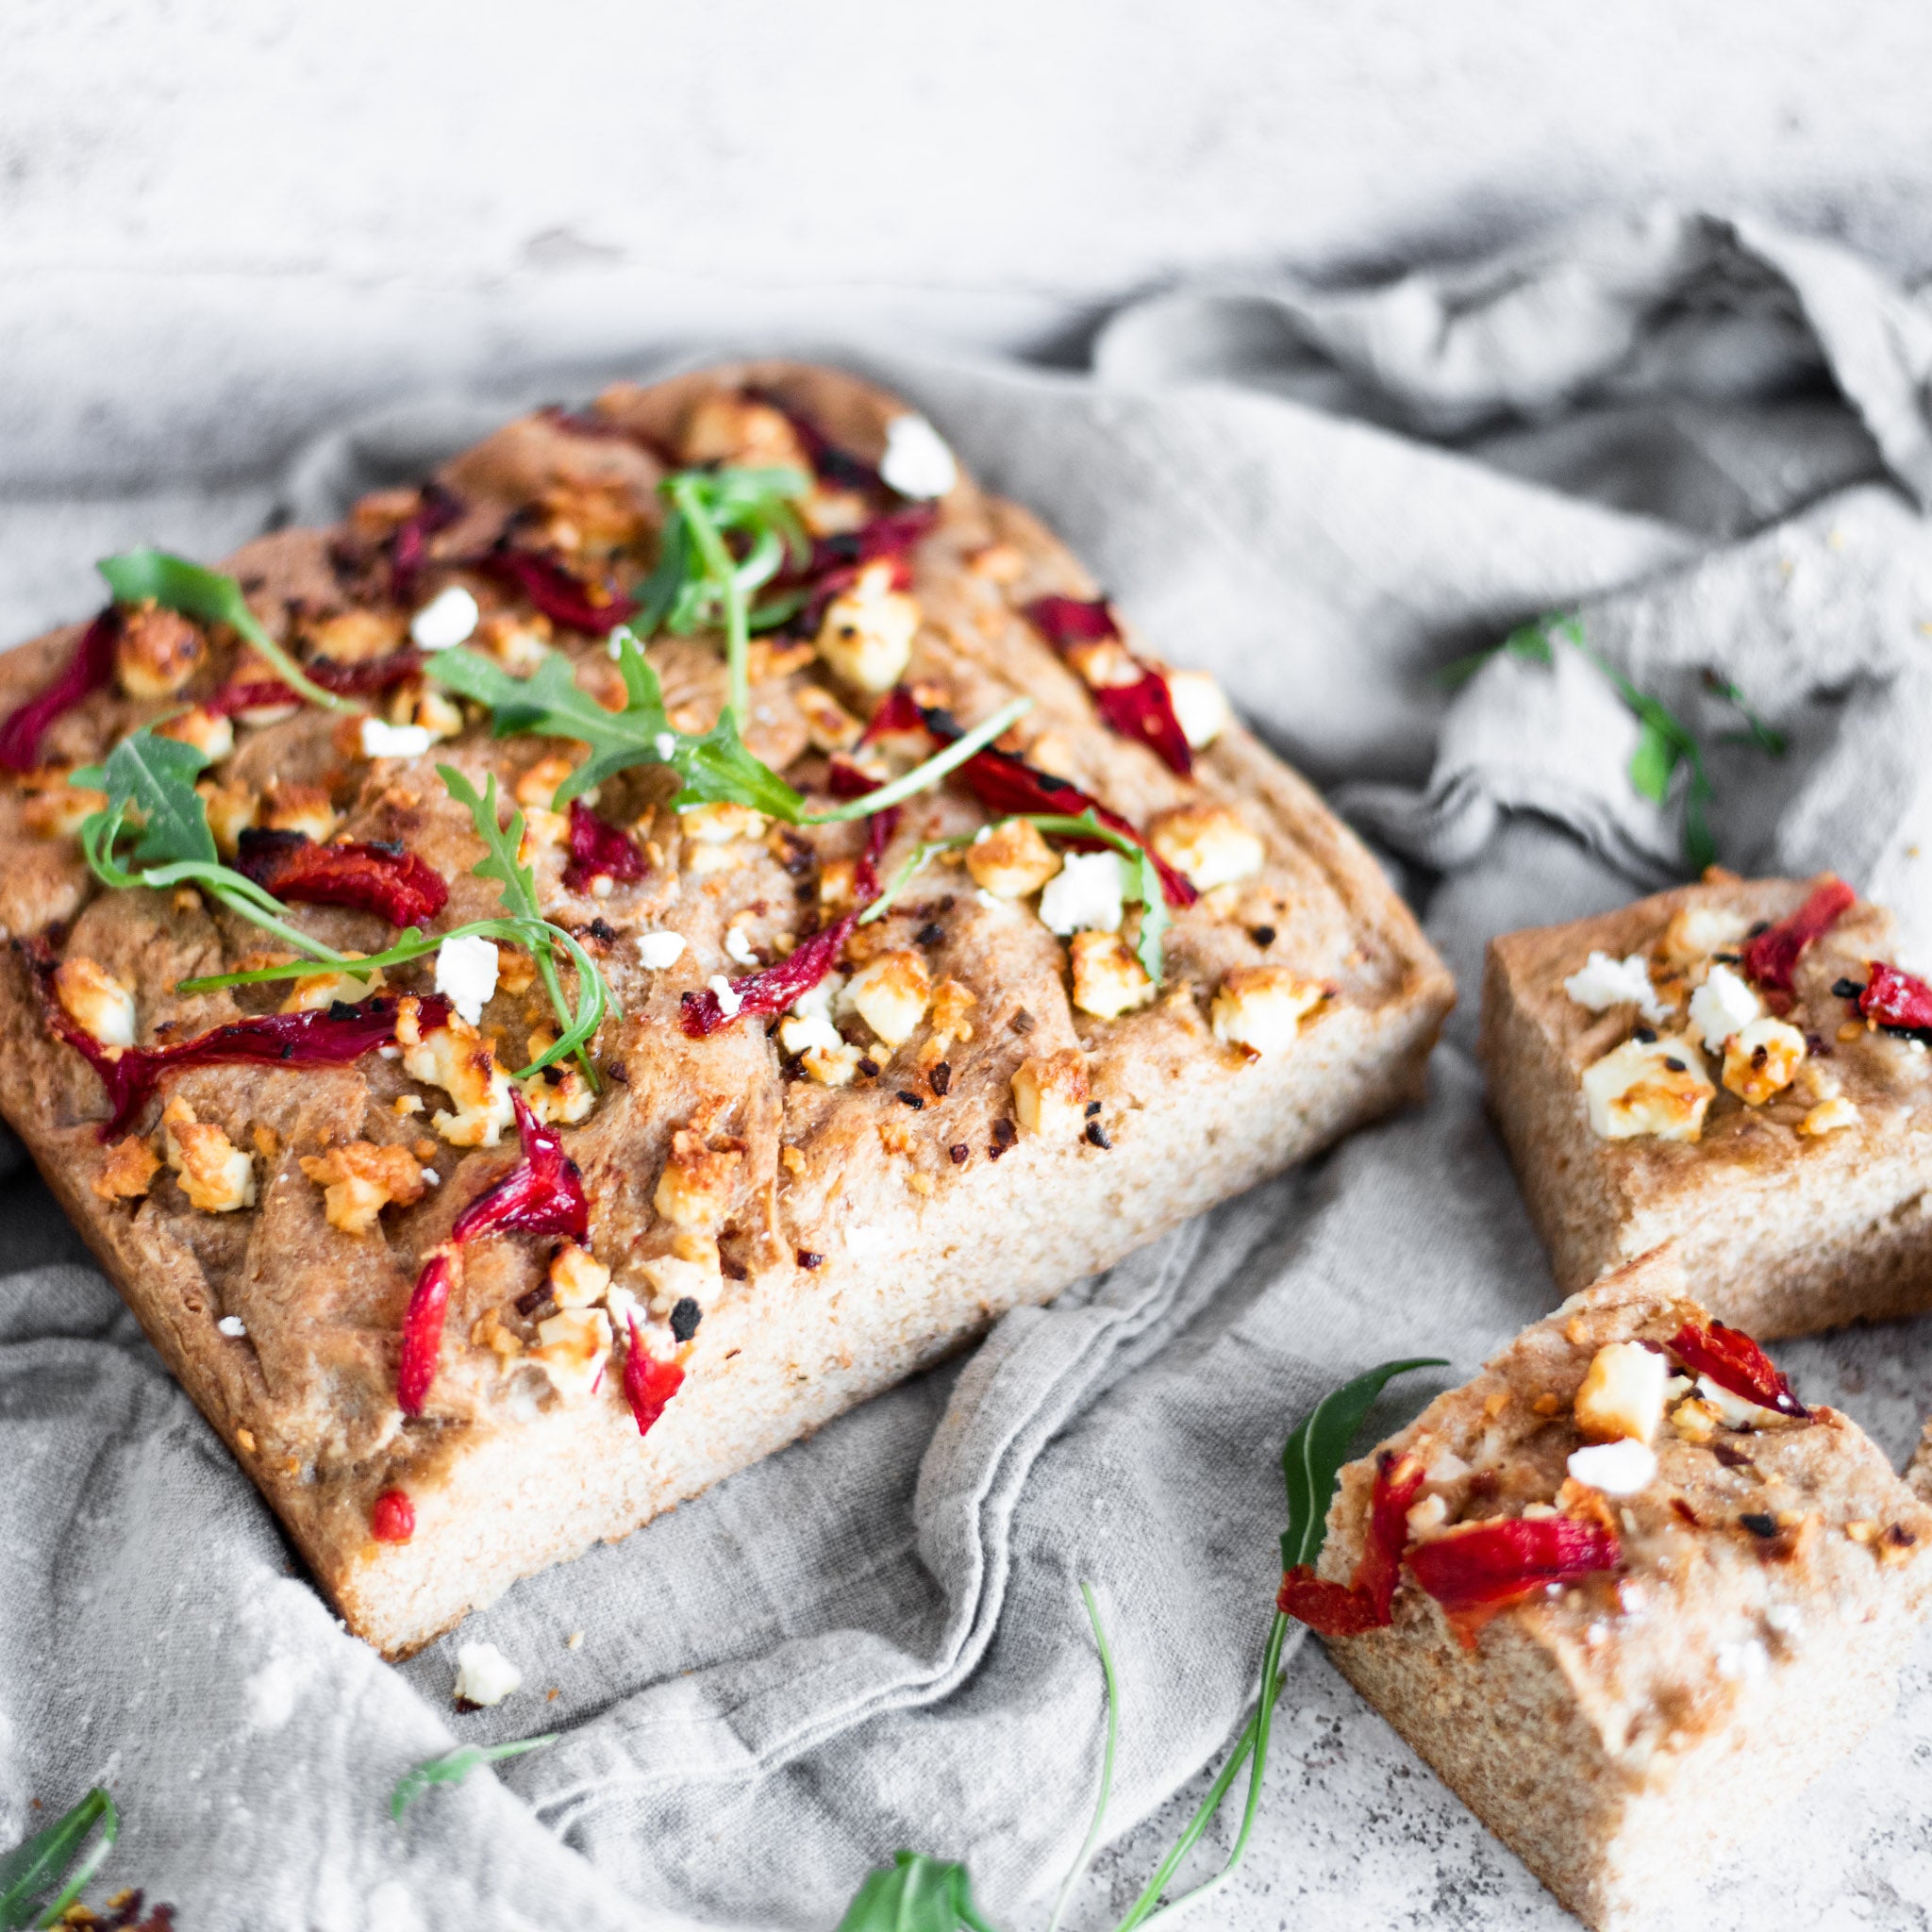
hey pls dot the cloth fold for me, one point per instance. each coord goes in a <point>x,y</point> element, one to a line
<point>1705,440</point>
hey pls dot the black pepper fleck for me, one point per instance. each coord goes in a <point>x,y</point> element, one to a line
<point>1093,1109</point>
<point>1097,1134</point>
<point>1846,989</point>
<point>685,1318</point>
<point>1004,1132</point>
<point>1644,1035</point>
<point>603,932</point>
<point>1762,926</point>
<point>807,1259</point>
<point>940,1079</point>
<point>1758,1524</point>
<point>1677,1066</point>
<point>868,1066</point>
<point>527,1303</point>
<point>341,1009</point>
<point>730,1270</point>
<point>1731,1458</point>
<point>1263,934</point>
<point>911,1099</point>
<point>958,1151</point>
<point>1022,1022</point>
<point>930,934</point>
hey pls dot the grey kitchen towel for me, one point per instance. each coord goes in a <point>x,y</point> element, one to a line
<point>1704,440</point>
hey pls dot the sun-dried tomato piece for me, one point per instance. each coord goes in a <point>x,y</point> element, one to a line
<point>1896,999</point>
<point>558,593</point>
<point>408,543</point>
<point>385,879</point>
<point>1735,1364</point>
<point>649,1381</point>
<point>90,668</point>
<point>423,1330</point>
<point>544,1193</point>
<point>1346,1611</point>
<point>598,850</point>
<point>392,1517</point>
<point>1142,710</point>
<point>334,1038</point>
<point>362,679</point>
<point>891,535</point>
<point>830,462</point>
<point>1772,957</point>
<point>759,996</point>
<point>1473,1572</point>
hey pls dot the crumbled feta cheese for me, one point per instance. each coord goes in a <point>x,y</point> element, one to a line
<point>571,1349</point>
<point>1618,1469</point>
<point>1723,1006</point>
<point>866,635</point>
<point>1432,1512</point>
<point>1107,979</point>
<point>233,1326</point>
<point>1050,1094</point>
<point>1735,1412</point>
<point>1785,1619</point>
<point>215,1175</point>
<point>817,1002</point>
<point>1698,931</point>
<point>917,463</point>
<point>738,947</point>
<point>1828,1116</point>
<point>1085,895</point>
<point>1760,1062</point>
<point>729,1003</point>
<point>1199,707</point>
<point>1745,1661</point>
<point>1210,845</point>
<point>94,1000</point>
<point>380,741</point>
<point>812,1033</point>
<point>316,992</point>
<point>1260,1009</point>
<point>466,973</point>
<point>695,1188</point>
<point>1602,982</point>
<point>1649,1087</point>
<point>720,822</point>
<point>1010,860</point>
<point>659,950</point>
<point>448,619</point>
<point>891,994</point>
<point>360,1179</point>
<point>1623,1393</point>
<point>456,1058</point>
<point>484,1675</point>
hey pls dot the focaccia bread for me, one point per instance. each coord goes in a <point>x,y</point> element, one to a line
<point>1644,1596</point>
<point>809,1154</point>
<point>1737,1066</point>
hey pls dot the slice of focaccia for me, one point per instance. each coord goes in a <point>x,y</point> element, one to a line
<point>1642,1595</point>
<point>862,1083</point>
<point>1738,1066</point>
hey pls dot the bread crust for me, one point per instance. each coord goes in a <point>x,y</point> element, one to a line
<point>860,1242</point>
<point>1782,1232</point>
<point>1624,1733</point>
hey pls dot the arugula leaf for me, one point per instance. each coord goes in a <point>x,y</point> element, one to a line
<point>155,777</point>
<point>138,577</point>
<point>1090,1844</point>
<point>1311,1462</point>
<point>1653,763</point>
<point>30,1870</point>
<point>914,1894</point>
<point>1767,738</point>
<point>453,1767</point>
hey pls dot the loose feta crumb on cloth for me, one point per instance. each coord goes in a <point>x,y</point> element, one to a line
<point>381,741</point>
<point>917,463</point>
<point>1723,1006</point>
<point>1618,1469</point>
<point>1084,896</point>
<point>484,1675</point>
<point>658,950</point>
<point>1602,982</point>
<point>466,973</point>
<point>449,618</point>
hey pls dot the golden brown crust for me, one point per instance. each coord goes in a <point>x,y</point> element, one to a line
<point>1781,1232</point>
<point>857,1242</point>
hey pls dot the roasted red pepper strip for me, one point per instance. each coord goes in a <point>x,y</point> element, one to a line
<point>1142,709</point>
<point>598,850</point>
<point>891,535</point>
<point>1338,1610</point>
<point>1735,1364</point>
<point>561,596</point>
<point>829,462</point>
<point>386,881</point>
<point>409,544</point>
<point>544,1193</point>
<point>130,1074</point>
<point>85,673</point>
<point>759,996</point>
<point>1893,998</point>
<point>1474,1572</point>
<point>1772,957</point>
<point>649,1381</point>
<point>361,679</point>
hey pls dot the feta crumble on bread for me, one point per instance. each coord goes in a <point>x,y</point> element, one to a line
<point>1260,1009</point>
<point>917,463</point>
<point>1050,1094</point>
<point>1209,845</point>
<point>456,1058</point>
<point>865,639</point>
<point>450,618</point>
<point>890,994</point>
<point>94,1000</point>
<point>385,741</point>
<point>466,973</point>
<point>1624,1468</point>
<point>1602,982</point>
<point>1760,1062</point>
<point>1084,896</point>
<point>1200,707</point>
<point>484,1675</point>
<point>215,1175</point>
<point>1723,1006</point>
<point>1654,1086</point>
<point>360,1179</point>
<point>1623,1393</point>
<point>1011,860</point>
<point>1107,979</point>
<point>659,951</point>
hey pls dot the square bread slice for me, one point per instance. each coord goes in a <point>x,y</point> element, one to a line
<point>1730,1593</point>
<point>785,1215</point>
<point>1793,1170</point>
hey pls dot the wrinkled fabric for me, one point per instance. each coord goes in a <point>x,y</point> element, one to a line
<point>1705,440</point>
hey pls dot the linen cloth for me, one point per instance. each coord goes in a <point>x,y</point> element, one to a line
<point>1708,439</point>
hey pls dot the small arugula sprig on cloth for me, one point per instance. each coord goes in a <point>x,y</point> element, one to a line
<point>49,1858</point>
<point>1141,883</point>
<point>698,583</point>
<point>144,575</point>
<point>522,925</point>
<point>453,1767</point>
<point>1664,742</point>
<point>713,768</point>
<point>920,1894</point>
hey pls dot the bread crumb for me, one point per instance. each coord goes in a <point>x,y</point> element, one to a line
<point>245,1441</point>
